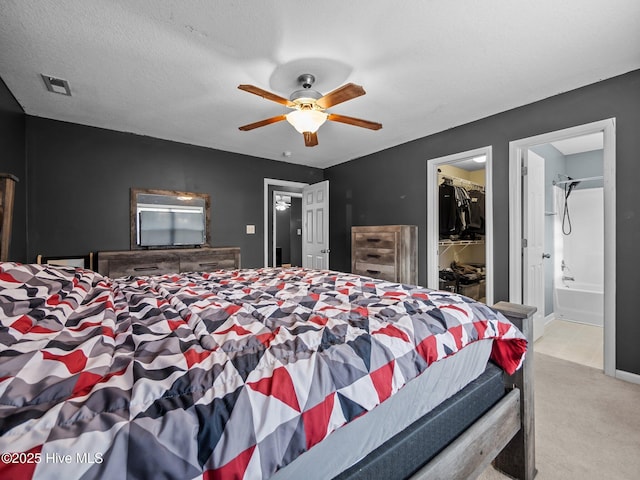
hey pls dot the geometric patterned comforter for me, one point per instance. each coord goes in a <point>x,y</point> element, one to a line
<point>228,374</point>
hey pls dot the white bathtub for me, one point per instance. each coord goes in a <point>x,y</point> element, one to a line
<point>579,302</point>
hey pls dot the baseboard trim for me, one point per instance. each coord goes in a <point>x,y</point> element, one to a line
<point>628,377</point>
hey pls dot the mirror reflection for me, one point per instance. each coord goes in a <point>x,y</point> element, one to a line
<point>167,219</point>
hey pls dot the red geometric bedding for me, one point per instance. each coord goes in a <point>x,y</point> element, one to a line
<point>228,375</point>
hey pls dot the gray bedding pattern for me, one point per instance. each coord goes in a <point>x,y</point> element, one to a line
<point>227,374</point>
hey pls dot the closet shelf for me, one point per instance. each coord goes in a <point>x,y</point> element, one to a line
<point>460,242</point>
<point>457,243</point>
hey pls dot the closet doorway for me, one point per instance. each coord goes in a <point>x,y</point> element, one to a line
<point>460,224</point>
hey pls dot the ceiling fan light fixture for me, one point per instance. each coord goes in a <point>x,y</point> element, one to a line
<point>307,120</point>
<point>309,107</point>
<point>282,202</point>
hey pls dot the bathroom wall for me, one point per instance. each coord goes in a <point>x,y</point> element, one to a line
<point>586,165</point>
<point>583,248</point>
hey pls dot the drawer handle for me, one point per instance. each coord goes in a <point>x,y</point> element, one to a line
<point>209,264</point>
<point>373,271</point>
<point>373,239</point>
<point>142,269</point>
<point>373,255</point>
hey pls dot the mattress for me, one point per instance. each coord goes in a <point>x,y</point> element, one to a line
<point>226,374</point>
<point>439,382</point>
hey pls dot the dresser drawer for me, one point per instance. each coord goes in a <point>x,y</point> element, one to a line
<point>385,240</point>
<point>379,256</point>
<point>383,272</point>
<point>147,265</point>
<point>207,261</point>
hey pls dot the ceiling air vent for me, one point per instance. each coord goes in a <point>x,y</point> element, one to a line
<point>56,85</point>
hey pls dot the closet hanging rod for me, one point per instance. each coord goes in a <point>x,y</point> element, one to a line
<point>585,179</point>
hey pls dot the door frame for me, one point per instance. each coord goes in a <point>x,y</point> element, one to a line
<point>273,182</point>
<point>516,147</point>
<point>433,225</point>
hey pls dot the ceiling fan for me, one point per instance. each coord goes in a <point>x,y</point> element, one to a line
<point>309,108</point>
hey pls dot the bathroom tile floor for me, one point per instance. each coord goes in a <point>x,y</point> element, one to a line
<point>572,341</point>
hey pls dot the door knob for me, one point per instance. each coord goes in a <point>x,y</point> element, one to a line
<point>546,255</point>
<point>325,250</point>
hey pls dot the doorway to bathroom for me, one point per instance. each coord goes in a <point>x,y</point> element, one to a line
<point>562,238</point>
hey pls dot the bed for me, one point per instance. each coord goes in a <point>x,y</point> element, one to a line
<point>248,373</point>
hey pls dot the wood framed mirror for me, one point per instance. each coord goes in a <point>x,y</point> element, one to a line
<point>169,219</point>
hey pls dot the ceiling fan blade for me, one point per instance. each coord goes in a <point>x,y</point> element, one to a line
<point>267,95</point>
<point>310,139</point>
<point>358,122</point>
<point>341,94</point>
<point>262,123</point>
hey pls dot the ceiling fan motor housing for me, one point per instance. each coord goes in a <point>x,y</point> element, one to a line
<point>299,96</point>
<point>306,95</point>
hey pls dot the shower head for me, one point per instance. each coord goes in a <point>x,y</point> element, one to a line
<point>571,186</point>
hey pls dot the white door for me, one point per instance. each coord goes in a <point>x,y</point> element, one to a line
<point>533,231</point>
<point>315,226</point>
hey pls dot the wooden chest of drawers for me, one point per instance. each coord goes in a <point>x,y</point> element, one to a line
<point>157,262</point>
<point>388,252</point>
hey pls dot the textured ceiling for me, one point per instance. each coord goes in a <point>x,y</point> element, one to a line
<point>170,69</point>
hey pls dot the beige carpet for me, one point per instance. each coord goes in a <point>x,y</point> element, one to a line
<point>587,424</point>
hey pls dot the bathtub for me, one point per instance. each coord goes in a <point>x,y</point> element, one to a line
<point>579,302</point>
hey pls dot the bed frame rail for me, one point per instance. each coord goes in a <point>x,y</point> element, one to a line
<point>478,445</point>
<point>504,435</point>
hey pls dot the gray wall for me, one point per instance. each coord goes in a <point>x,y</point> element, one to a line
<point>12,154</point>
<point>389,187</point>
<point>79,179</point>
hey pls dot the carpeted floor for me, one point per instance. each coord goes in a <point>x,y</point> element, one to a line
<point>587,424</point>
